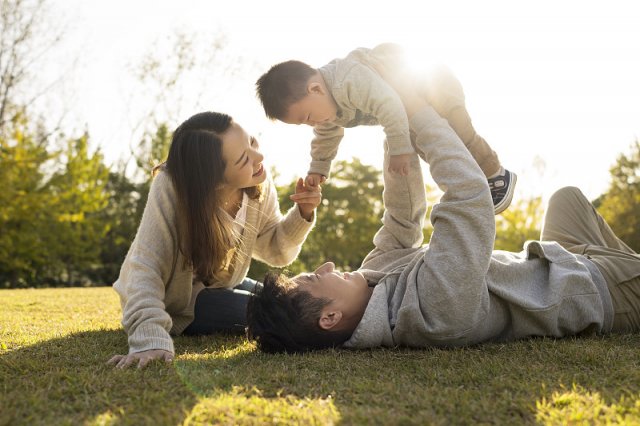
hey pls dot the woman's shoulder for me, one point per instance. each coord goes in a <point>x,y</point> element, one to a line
<point>162,186</point>
<point>161,177</point>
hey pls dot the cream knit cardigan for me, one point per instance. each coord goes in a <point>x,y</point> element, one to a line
<point>157,293</point>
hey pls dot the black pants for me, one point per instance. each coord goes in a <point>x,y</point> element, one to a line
<point>222,310</point>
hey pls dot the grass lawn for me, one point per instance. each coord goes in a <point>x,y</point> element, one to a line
<point>54,344</point>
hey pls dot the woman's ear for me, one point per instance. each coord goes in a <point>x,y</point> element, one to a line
<point>329,319</point>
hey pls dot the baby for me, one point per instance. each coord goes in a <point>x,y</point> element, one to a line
<point>349,92</point>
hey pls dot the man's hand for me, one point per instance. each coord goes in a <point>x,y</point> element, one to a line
<point>399,164</point>
<point>307,198</point>
<point>142,358</point>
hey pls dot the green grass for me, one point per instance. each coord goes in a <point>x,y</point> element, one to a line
<point>54,344</point>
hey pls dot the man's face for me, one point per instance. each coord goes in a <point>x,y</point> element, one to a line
<point>348,291</point>
<point>318,107</point>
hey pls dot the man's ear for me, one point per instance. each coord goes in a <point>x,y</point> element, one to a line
<point>315,88</point>
<point>329,319</point>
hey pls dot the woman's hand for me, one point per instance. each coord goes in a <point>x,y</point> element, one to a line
<point>142,358</point>
<point>307,198</point>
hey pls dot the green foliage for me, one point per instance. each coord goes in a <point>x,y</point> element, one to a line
<point>346,221</point>
<point>122,215</point>
<point>620,205</point>
<point>153,149</point>
<point>127,199</point>
<point>65,218</point>
<point>522,221</point>
<point>25,205</point>
<point>78,197</point>
<point>50,225</point>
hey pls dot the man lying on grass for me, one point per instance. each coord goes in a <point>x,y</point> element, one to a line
<point>455,291</point>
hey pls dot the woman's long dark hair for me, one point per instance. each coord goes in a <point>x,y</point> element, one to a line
<point>196,167</point>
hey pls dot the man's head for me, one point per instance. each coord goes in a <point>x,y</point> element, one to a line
<point>295,93</point>
<point>308,312</point>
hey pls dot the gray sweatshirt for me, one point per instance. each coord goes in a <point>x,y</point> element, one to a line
<point>363,98</point>
<point>457,291</point>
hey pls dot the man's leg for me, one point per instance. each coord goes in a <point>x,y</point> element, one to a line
<point>573,222</point>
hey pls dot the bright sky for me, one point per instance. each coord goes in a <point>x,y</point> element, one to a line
<point>554,86</point>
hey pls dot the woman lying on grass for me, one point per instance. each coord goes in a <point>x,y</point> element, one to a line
<point>211,209</point>
<point>455,291</point>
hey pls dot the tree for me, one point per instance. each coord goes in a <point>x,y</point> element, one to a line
<point>347,219</point>
<point>76,228</point>
<point>122,216</point>
<point>620,205</point>
<point>522,221</point>
<point>171,81</point>
<point>27,37</point>
<point>25,205</point>
<point>127,200</point>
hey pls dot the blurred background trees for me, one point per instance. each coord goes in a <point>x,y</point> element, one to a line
<point>68,218</point>
<point>620,205</point>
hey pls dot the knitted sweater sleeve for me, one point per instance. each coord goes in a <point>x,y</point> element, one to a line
<point>146,269</point>
<point>280,237</point>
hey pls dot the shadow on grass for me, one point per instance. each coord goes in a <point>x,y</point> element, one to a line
<point>220,379</point>
<point>66,381</point>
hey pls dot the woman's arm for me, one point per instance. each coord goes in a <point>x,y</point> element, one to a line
<point>280,239</point>
<point>146,270</point>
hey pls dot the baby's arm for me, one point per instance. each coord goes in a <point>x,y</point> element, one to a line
<point>324,148</point>
<point>368,92</point>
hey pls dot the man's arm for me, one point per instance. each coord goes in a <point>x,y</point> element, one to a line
<point>405,206</point>
<point>448,288</point>
<point>446,294</point>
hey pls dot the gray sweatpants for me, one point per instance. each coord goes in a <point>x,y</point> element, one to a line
<point>574,223</point>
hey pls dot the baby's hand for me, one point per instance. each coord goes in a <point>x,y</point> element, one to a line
<point>399,164</point>
<point>314,180</point>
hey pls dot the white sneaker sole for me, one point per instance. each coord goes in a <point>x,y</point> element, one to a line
<point>506,201</point>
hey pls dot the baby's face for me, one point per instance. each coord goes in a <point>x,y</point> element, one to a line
<point>313,109</point>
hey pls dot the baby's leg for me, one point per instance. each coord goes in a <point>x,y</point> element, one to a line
<point>444,92</point>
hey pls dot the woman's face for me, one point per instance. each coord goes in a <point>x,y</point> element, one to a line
<point>243,159</point>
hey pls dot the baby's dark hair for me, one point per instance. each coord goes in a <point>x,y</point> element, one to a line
<point>282,86</point>
<point>283,318</point>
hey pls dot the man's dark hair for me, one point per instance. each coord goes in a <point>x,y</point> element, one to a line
<point>283,318</point>
<point>282,86</point>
